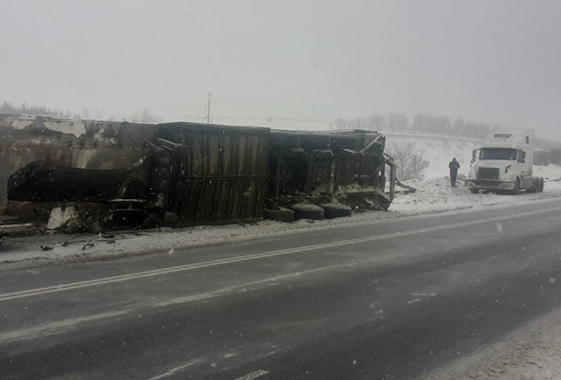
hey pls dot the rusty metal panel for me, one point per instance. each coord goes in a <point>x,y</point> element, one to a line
<point>318,167</point>
<point>222,178</point>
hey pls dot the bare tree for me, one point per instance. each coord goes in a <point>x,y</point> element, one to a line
<point>417,166</point>
<point>410,163</point>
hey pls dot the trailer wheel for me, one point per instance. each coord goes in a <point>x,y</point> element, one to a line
<point>474,191</point>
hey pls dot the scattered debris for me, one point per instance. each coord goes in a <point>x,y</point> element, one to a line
<point>88,245</point>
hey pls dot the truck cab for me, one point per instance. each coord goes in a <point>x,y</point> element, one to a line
<point>504,163</point>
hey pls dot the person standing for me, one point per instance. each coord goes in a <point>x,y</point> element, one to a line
<point>454,166</point>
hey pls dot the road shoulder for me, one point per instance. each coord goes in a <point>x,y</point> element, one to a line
<point>531,352</point>
<point>61,249</point>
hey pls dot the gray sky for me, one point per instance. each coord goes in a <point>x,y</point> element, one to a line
<point>495,61</point>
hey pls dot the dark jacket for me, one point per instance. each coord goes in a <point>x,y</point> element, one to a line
<point>454,166</point>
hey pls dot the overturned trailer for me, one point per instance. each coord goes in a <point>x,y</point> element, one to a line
<point>210,174</point>
<point>192,174</point>
<point>328,174</point>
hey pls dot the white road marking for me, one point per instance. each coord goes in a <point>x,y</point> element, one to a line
<point>414,301</point>
<point>57,327</point>
<point>41,331</point>
<point>172,371</point>
<point>253,375</point>
<point>243,258</point>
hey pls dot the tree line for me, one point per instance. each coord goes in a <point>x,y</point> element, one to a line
<point>32,109</point>
<point>423,123</point>
<point>142,116</point>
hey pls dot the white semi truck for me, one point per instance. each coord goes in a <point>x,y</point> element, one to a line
<point>504,163</point>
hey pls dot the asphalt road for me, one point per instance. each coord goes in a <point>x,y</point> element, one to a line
<point>388,300</point>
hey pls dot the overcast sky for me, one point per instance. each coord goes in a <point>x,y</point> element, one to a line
<point>495,61</point>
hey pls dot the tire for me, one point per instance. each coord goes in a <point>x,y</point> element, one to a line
<point>282,215</point>
<point>307,211</point>
<point>474,191</point>
<point>516,187</point>
<point>535,186</point>
<point>334,210</point>
<point>541,185</point>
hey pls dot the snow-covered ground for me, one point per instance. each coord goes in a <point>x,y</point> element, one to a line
<point>530,353</point>
<point>435,195</point>
<point>438,150</point>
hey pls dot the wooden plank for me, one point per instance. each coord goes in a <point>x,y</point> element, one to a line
<point>192,201</point>
<point>213,154</point>
<point>183,214</point>
<point>208,200</point>
<point>200,204</point>
<point>260,198</point>
<point>250,197</point>
<point>244,201</point>
<point>231,200</point>
<point>218,200</point>
<point>226,154</point>
<point>234,202</point>
<point>179,196</point>
<point>241,158</point>
<point>198,166</point>
<point>220,163</point>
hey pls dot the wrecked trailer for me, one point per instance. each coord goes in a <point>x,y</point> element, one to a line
<point>190,174</point>
<point>213,174</point>
<point>327,174</point>
<point>84,199</point>
<point>39,183</point>
<point>193,174</point>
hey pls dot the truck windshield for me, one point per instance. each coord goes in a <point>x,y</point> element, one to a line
<point>498,154</point>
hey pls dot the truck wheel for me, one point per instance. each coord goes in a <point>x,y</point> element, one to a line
<point>535,186</point>
<point>474,191</point>
<point>541,185</point>
<point>516,187</point>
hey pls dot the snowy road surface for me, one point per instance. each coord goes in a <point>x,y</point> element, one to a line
<point>396,299</point>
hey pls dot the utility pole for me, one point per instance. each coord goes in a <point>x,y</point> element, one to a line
<point>208,110</point>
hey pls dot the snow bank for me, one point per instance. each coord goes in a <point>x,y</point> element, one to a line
<point>435,195</point>
<point>438,150</point>
<point>550,172</point>
<point>530,353</point>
